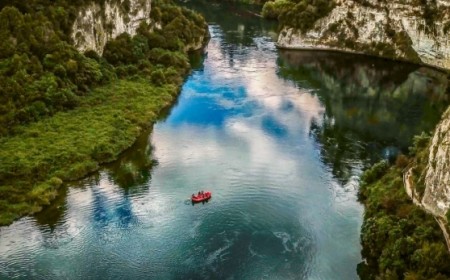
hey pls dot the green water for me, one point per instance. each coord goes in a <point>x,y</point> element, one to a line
<point>280,138</point>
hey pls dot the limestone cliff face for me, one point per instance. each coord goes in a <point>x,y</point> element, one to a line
<point>96,24</point>
<point>396,29</point>
<point>437,181</point>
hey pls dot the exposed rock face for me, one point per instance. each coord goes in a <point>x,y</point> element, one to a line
<point>96,24</point>
<point>437,180</point>
<point>395,29</point>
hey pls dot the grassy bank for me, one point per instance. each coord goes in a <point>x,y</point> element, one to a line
<point>71,144</point>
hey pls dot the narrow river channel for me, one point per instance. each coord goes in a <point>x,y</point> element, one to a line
<point>279,137</point>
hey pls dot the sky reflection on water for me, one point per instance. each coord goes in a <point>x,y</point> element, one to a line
<point>280,138</point>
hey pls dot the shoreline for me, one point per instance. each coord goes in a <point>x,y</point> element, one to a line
<point>336,50</point>
<point>36,194</point>
<point>127,94</point>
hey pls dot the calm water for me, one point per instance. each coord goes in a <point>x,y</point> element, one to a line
<point>280,138</point>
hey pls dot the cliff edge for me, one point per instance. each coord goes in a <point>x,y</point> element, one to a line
<point>437,179</point>
<point>96,24</point>
<point>410,30</point>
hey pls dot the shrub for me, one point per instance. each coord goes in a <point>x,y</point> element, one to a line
<point>119,50</point>
<point>55,182</point>
<point>401,161</point>
<point>419,142</point>
<point>303,14</point>
<point>375,172</point>
<point>158,77</point>
<point>273,9</point>
<point>103,152</point>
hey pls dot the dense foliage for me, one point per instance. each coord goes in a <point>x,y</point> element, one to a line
<point>71,144</point>
<point>63,112</point>
<point>40,72</point>
<point>400,241</point>
<point>301,14</point>
<point>61,13</point>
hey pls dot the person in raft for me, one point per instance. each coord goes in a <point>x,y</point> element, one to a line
<point>200,194</point>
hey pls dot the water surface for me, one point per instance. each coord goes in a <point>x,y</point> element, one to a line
<point>280,138</point>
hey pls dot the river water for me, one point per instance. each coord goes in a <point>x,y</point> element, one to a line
<point>279,137</point>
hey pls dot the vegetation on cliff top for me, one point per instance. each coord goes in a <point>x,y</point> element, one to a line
<point>400,241</point>
<point>62,112</point>
<point>301,14</point>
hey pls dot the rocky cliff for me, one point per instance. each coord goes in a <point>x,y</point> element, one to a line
<point>98,23</point>
<point>437,180</point>
<point>411,30</point>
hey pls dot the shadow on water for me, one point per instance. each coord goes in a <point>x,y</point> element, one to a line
<point>241,22</point>
<point>196,59</point>
<point>51,215</point>
<point>132,171</point>
<point>373,107</point>
<point>201,202</point>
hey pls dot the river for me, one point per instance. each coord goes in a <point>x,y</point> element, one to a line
<point>279,137</point>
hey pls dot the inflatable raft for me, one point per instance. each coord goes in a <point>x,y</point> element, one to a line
<point>201,197</point>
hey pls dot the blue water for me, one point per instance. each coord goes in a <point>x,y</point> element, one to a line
<point>280,138</point>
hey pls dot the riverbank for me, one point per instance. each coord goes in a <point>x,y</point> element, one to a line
<point>65,112</point>
<point>69,145</point>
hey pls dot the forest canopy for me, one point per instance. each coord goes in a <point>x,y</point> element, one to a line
<point>41,73</point>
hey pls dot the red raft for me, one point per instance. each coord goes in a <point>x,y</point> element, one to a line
<point>201,197</point>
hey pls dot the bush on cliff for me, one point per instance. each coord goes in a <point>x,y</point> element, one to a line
<point>273,9</point>
<point>300,14</point>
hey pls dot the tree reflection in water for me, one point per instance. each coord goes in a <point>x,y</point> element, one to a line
<point>381,103</point>
<point>131,173</point>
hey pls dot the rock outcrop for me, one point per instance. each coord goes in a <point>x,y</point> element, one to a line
<point>96,24</point>
<point>399,29</point>
<point>437,180</point>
